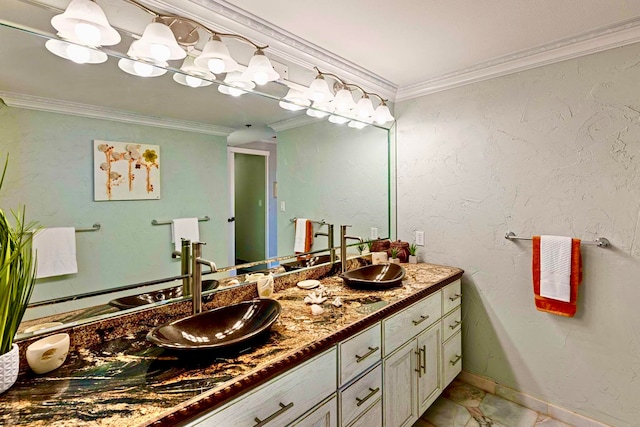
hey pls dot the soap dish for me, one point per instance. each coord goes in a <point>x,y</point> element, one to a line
<point>48,354</point>
<point>308,284</point>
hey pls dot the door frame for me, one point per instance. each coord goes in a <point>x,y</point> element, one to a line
<point>231,153</point>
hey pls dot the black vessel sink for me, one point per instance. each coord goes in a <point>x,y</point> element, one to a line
<point>221,328</point>
<point>305,263</point>
<point>156,296</point>
<point>379,276</point>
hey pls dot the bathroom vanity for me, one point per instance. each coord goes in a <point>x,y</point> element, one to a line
<point>383,355</point>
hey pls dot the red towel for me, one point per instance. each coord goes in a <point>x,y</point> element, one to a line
<point>561,308</point>
<point>308,237</point>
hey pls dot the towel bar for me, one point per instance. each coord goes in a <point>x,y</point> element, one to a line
<point>156,222</point>
<point>321,222</point>
<point>601,242</point>
<point>94,227</point>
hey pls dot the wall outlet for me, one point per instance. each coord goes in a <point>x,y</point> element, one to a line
<point>419,238</point>
<point>259,203</point>
<point>283,206</point>
<point>374,233</point>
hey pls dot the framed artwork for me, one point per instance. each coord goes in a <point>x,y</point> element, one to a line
<point>125,171</point>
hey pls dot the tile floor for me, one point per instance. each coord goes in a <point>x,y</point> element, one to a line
<point>463,405</point>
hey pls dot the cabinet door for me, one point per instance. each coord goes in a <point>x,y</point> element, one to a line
<point>326,415</point>
<point>429,383</point>
<point>452,358</point>
<point>400,387</point>
<point>371,418</point>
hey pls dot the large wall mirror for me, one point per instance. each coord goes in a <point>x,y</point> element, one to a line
<point>212,166</point>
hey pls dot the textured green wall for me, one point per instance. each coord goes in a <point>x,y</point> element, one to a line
<point>50,172</point>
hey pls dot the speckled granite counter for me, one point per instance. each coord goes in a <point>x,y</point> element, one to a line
<point>124,380</point>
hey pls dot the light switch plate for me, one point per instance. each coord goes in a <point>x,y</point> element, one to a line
<point>282,206</point>
<point>419,238</point>
<point>374,233</point>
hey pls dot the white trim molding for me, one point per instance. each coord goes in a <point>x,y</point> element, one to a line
<point>32,102</point>
<point>293,122</point>
<point>610,37</point>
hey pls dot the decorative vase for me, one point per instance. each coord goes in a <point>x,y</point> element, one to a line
<point>9,364</point>
<point>402,248</point>
<point>413,259</point>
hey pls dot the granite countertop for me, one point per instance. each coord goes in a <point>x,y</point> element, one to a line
<point>128,381</point>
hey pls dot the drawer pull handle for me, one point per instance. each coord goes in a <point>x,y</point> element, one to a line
<point>283,408</point>
<point>367,354</point>
<point>456,360</point>
<point>455,325</point>
<point>372,392</point>
<point>422,319</point>
<point>455,297</point>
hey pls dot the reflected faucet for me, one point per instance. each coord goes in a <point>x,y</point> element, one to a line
<point>329,234</point>
<point>196,261</point>
<point>185,265</point>
<point>343,245</point>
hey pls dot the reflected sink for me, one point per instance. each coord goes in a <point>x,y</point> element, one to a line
<point>222,328</point>
<point>304,263</point>
<point>378,276</point>
<point>156,296</point>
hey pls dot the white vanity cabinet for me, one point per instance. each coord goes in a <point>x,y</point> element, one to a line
<point>427,358</point>
<point>325,415</point>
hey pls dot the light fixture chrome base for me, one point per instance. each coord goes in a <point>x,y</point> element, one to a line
<point>184,30</point>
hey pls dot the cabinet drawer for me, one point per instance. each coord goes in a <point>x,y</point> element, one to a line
<point>359,353</point>
<point>283,399</point>
<point>403,326</point>
<point>451,296</point>
<point>325,415</point>
<point>371,418</point>
<point>452,358</point>
<point>359,396</point>
<point>452,323</point>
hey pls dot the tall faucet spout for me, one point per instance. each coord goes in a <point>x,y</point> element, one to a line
<point>343,245</point>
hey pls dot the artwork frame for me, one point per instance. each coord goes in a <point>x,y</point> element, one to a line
<point>125,171</point>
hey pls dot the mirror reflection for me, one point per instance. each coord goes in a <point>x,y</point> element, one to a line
<point>250,182</point>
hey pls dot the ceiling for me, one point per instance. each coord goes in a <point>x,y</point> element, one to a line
<point>410,43</point>
<point>401,50</point>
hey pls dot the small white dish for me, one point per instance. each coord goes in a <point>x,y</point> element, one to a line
<point>308,284</point>
<point>48,354</point>
<point>42,326</point>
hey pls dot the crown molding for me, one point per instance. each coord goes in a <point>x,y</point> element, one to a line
<point>31,102</point>
<point>294,122</point>
<point>621,34</point>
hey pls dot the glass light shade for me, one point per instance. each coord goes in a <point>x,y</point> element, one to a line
<point>215,56</point>
<point>159,41</point>
<point>294,100</point>
<point>76,53</point>
<point>320,110</point>
<point>343,101</point>
<point>87,21</point>
<point>237,84</point>
<point>142,68</point>
<point>194,76</point>
<point>339,120</point>
<point>382,115</point>
<point>364,108</point>
<point>260,69</point>
<point>357,125</point>
<point>319,91</point>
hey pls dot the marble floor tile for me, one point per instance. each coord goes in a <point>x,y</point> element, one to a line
<point>423,423</point>
<point>464,394</point>
<point>508,413</point>
<point>547,421</point>
<point>446,413</point>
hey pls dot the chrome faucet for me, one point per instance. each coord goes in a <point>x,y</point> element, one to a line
<point>196,261</point>
<point>343,245</point>
<point>329,234</point>
<point>185,265</point>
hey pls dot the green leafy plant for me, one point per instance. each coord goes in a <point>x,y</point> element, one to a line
<point>394,253</point>
<point>17,271</point>
<point>413,249</point>
<point>361,247</point>
<point>369,244</point>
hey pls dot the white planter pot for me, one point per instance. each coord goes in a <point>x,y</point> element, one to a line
<point>394,260</point>
<point>9,364</point>
<point>413,259</point>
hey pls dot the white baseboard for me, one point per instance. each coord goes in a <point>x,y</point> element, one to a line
<point>546,408</point>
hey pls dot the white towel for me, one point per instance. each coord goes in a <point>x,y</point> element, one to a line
<point>555,267</point>
<point>301,235</point>
<point>55,249</point>
<point>184,228</point>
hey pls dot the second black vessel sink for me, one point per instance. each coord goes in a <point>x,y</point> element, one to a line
<point>156,296</point>
<point>378,276</point>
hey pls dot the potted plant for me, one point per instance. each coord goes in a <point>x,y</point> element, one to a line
<point>361,248</point>
<point>413,253</point>
<point>17,277</point>
<point>394,256</point>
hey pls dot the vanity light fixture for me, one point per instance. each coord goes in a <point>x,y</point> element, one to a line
<point>294,100</point>
<point>193,76</point>
<point>260,69</point>
<point>216,57</point>
<point>73,51</point>
<point>160,43</point>
<point>342,108</point>
<point>235,84</point>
